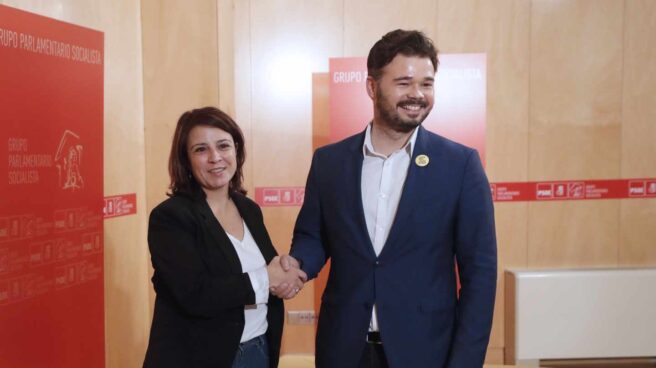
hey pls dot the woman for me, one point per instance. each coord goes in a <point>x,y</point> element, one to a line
<point>210,251</point>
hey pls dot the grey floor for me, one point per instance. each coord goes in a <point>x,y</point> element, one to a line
<point>618,363</point>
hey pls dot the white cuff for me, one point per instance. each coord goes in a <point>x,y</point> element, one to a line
<point>260,283</point>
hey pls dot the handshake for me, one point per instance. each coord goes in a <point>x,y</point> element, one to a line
<point>286,278</point>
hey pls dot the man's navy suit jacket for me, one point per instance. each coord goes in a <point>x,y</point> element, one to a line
<point>445,215</point>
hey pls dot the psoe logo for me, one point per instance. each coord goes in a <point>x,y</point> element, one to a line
<point>575,190</point>
<point>559,190</point>
<point>544,191</point>
<point>651,188</point>
<point>636,188</point>
<point>271,196</point>
<point>68,160</point>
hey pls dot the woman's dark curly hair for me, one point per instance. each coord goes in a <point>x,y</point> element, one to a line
<point>182,179</point>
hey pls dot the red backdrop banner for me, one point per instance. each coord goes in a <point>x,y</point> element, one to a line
<point>51,180</point>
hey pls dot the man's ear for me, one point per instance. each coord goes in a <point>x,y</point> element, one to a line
<point>371,87</point>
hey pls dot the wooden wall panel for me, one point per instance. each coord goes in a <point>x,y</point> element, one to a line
<point>235,71</point>
<point>127,319</point>
<point>225,30</point>
<point>501,30</point>
<point>512,231</point>
<point>283,60</point>
<point>639,92</point>
<point>365,21</point>
<point>493,356</point>
<point>573,234</point>
<point>638,233</point>
<point>576,89</point>
<point>290,40</point>
<point>127,312</point>
<point>575,131</point>
<point>180,73</point>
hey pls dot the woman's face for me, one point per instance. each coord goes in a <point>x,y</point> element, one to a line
<point>213,157</point>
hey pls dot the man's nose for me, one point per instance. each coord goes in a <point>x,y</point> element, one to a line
<point>415,91</point>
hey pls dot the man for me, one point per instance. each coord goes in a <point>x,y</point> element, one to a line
<point>395,208</point>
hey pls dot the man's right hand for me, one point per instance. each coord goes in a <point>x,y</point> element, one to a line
<point>286,279</point>
<point>288,262</point>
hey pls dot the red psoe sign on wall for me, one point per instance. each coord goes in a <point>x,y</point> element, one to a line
<point>120,205</point>
<point>279,196</point>
<point>51,185</point>
<point>567,190</point>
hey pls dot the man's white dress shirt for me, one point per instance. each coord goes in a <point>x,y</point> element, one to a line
<point>381,185</point>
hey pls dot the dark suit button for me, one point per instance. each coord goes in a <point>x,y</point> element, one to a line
<point>378,263</point>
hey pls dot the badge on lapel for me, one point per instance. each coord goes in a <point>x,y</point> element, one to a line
<point>422,160</point>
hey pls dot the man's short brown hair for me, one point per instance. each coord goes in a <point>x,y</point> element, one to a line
<point>408,43</point>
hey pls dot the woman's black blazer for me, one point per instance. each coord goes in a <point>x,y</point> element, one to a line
<point>201,288</point>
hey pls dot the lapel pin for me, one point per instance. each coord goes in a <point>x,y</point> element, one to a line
<point>422,160</point>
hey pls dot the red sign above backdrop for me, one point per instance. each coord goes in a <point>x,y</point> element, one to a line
<point>562,190</point>
<point>51,180</point>
<point>120,205</point>
<point>280,196</point>
<point>574,190</point>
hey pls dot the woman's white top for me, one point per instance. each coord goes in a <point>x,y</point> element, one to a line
<point>253,263</point>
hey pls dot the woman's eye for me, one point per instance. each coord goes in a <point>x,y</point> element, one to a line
<point>224,146</point>
<point>199,149</point>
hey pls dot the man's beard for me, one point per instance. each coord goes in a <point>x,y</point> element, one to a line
<point>391,118</point>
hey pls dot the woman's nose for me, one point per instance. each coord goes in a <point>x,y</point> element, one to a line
<point>215,156</point>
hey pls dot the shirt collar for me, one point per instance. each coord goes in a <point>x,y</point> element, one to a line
<point>368,147</point>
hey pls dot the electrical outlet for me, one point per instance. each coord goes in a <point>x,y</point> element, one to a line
<point>301,317</point>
